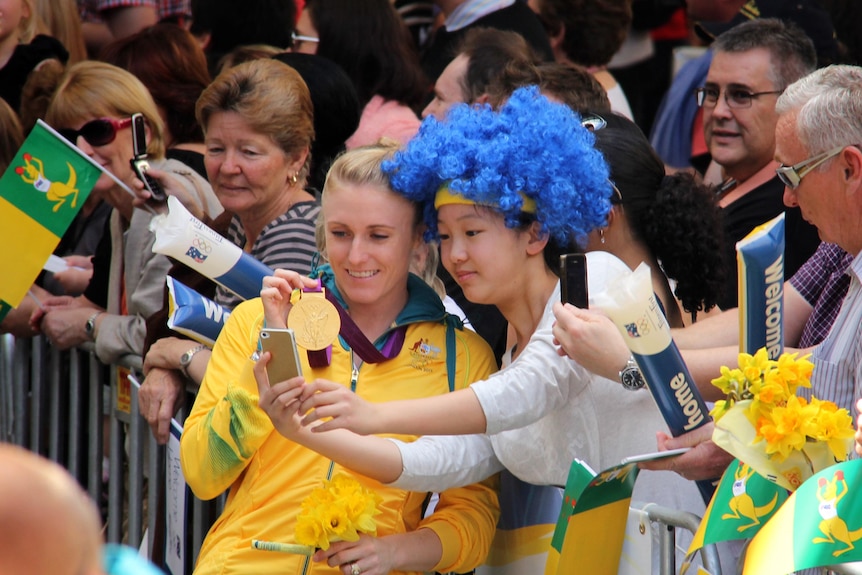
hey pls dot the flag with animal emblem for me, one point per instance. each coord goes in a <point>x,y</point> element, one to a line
<point>40,193</point>
<point>820,524</point>
<point>594,537</point>
<point>742,504</point>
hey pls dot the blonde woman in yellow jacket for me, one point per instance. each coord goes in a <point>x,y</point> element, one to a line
<point>418,351</point>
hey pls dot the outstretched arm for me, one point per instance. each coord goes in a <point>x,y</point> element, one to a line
<point>456,413</point>
<point>373,457</point>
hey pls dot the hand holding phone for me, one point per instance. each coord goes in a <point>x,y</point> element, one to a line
<point>573,280</point>
<point>284,363</point>
<point>139,162</point>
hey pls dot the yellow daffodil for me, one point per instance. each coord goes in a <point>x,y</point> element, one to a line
<point>782,420</point>
<point>782,428</point>
<point>340,510</point>
<point>832,425</point>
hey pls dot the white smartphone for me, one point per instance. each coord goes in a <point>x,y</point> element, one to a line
<point>284,364</point>
<point>655,455</point>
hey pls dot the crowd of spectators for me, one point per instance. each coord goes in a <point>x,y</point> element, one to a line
<point>247,106</point>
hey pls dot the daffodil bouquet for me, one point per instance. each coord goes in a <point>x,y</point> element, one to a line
<point>338,511</point>
<point>763,423</point>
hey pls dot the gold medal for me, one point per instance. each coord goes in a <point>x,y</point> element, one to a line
<point>314,320</point>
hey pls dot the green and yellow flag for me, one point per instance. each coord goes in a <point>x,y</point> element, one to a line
<point>820,524</point>
<point>40,193</point>
<point>594,538</point>
<point>580,476</point>
<point>742,504</point>
<point>4,309</point>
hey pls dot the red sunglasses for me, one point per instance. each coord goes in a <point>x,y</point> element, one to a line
<point>96,132</point>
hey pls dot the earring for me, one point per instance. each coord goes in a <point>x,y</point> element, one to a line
<point>293,179</point>
<point>602,236</point>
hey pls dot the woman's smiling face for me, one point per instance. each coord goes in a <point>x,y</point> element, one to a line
<point>371,233</point>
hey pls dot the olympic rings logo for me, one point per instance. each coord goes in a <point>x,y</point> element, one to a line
<point>202,245</point>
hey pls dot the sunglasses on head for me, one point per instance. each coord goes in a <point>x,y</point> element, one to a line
<point>98,132</point>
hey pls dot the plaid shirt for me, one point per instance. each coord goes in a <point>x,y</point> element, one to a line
<point>823,282</point>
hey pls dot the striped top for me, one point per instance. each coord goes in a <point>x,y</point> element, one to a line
<point>286,242</point>
<point>837,360</point>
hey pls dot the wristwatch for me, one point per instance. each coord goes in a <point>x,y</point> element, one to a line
<point>186,359</point>
<point>90,326</point>
<point>631,376</point>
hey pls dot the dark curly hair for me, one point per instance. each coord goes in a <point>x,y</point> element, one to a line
<point>675,216</point>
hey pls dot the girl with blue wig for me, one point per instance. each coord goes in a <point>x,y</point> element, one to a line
<point>506,192</point>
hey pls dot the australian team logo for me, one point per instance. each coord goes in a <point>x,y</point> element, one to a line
<point>742,506</point>
<point>832,525</point>
<point>422,353</point>
<point>33,172</point>
<point>199,250</point>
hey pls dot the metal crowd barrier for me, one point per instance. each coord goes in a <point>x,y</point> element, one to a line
<point>53,403</point>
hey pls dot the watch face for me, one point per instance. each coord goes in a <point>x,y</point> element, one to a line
<point>631,378</point>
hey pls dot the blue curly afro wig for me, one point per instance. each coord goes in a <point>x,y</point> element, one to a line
<point>530,146</point>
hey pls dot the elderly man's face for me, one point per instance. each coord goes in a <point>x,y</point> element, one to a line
<point>821,195</point>
<point>447,89</point>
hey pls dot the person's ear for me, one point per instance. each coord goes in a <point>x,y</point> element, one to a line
<point>204,39</point>
<point>612,215</point>
<point>556,40</point>
<point>853,163</point>
<point>483,98</point>
<point>298,161</point>
<point>536,239</point>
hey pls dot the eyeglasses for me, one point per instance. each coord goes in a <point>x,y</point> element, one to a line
<point>791,176</point>
<point>99,132</point>
<point>297,39</point>
<point>735,97</point>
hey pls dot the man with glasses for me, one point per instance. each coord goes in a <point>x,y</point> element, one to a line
<point>817,153</point>
<point>752,64</point>
<point>818,137</point>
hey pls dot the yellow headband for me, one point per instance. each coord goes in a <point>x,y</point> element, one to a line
<point>445,197</point>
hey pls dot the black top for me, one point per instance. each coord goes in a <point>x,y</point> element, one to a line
<point>24,59</point>
<point>97,289</point>
<point>518,18</point>
<point>753,209</point>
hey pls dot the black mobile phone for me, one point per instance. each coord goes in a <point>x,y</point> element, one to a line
<point>139,162</point>
<point>281,343</point>
<point>573,280</point>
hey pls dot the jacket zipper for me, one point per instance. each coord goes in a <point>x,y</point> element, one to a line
<point>354,377</point>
